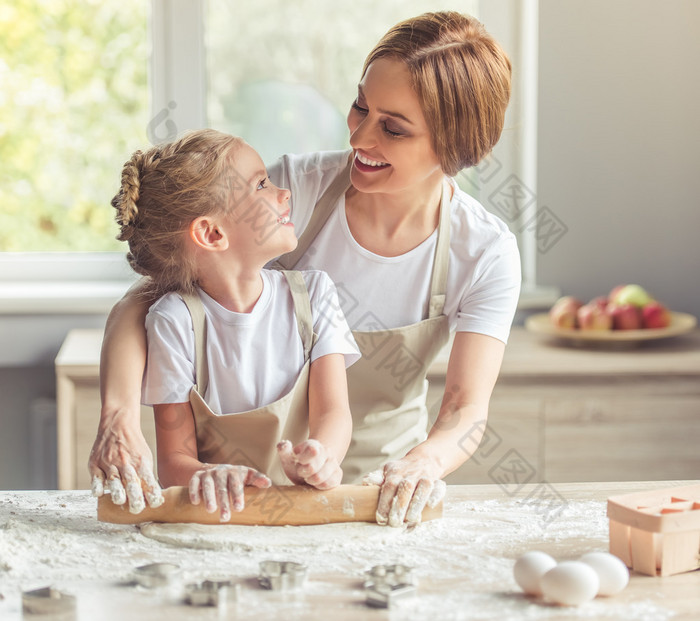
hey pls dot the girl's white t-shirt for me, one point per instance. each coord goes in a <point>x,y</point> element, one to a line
<point>377,292</point>
<point>253,358</point>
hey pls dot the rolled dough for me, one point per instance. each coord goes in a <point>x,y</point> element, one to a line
<point>234,536</point>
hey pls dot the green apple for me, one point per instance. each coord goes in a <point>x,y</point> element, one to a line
<point>632,294</point>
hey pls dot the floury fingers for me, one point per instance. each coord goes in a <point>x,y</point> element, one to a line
<point>98,486</point>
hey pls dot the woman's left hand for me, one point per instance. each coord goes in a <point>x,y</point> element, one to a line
<point>407,486</point>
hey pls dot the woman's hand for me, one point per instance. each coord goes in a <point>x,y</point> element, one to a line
<point>407,486</point>
<point>223,483</point>
<point>122,461</point>
<point>311,463</point>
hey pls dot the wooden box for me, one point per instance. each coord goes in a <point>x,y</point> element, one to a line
<point>657,532</point>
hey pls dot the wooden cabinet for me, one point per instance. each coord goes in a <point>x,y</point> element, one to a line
<point>557,413</point>
<point>560,413</point>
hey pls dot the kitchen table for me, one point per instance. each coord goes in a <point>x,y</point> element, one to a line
<point>463,562</point>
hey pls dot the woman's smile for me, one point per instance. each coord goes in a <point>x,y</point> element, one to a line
<point>366,164</point>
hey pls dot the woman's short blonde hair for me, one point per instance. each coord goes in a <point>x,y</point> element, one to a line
<point>462,78</point>
<point>163,190</point>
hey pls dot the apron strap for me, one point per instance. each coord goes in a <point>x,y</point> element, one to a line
<point>322,211</point>
<point>302,309</point>
<point>199,324</point>
<point>441,262</point>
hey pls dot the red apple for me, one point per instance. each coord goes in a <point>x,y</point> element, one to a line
<point>563,312</point>
<point>655,315</point>
<point>601,301</point>
<point>625,316</point>
<point>594,316</point>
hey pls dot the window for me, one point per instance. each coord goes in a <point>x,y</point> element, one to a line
<point>73,105</point>
<point>75,93</point>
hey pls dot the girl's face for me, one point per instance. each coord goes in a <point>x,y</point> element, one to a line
<point>258,224</point>
<point>389,134</point>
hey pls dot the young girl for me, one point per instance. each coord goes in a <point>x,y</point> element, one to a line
<point>239,357</point>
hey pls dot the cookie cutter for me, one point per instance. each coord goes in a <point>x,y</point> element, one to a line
<point>281,575</point>
<point>211,592</point>
<point>387,584</point>
<point>156,575</point>
<point>48,601</point>
<point>390,575</point>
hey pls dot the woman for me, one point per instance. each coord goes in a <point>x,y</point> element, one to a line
<point>413,258</point>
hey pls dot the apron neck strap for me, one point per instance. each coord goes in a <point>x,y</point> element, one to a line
<point>438,279</point>
<point>199,324</point>
<point>322,211</point>
<point>302,309</point>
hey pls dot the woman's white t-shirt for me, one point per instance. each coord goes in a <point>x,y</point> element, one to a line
<point>377,292</point>
<point>253,358</point>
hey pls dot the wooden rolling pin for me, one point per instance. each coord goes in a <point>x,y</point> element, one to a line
<point>275,506</point>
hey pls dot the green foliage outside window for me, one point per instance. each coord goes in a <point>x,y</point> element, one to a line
<point>73,106</point>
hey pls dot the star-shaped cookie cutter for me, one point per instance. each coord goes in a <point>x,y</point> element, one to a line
<point>387,584</point>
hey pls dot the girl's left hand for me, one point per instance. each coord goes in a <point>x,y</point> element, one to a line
<point>408,485</point>
<point>309,462</point>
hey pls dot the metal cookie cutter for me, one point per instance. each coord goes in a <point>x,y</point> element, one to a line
<point>386,584</point>
<point>48,601</point>
<point>211,592</point>
<point>156,574</point>
<point>282,575</point>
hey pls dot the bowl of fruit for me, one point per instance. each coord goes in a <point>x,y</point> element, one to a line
<point>627,315</point>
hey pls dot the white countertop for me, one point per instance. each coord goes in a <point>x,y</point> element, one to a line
<point>463,562</point>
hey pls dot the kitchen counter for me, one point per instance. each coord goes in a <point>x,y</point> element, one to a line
<point>589,413</point>
<point>565,413</point>
<point>463,562</point>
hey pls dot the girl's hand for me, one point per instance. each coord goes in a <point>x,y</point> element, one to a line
<point>310,462</point>
<point>408,485</point>
<point>224,482</point>
<point>122,462</point>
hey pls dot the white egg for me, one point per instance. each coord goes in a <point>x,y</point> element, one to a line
<point>570,583</point>
<point>530,568</point>
<point>612,572</point>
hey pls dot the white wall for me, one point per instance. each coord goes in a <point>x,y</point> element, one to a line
<point>619,136</point>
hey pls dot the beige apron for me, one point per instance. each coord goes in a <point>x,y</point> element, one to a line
<point>388,386</point>
<point>250,438</point>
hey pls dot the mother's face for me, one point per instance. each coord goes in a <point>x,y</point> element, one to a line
<point>389,134</point>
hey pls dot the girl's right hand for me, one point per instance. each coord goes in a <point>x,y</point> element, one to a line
<point>223,483</point>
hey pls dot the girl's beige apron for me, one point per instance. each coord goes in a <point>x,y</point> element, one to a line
<point>250,438</point>
<point>387,386</point>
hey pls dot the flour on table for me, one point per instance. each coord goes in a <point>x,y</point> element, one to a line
<point>223,536</point>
